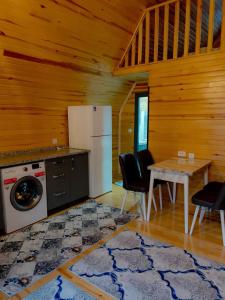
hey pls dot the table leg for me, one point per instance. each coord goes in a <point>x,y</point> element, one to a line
<point>186,200</point>
<point>206,176</point>
<point>174,191</point>
<point>150,194</point>
<point>160,196</point>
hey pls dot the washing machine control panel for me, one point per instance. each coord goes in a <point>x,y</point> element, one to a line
<point>35,166</point>
<point>12,174</point>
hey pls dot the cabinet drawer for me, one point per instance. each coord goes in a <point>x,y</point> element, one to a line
<point>58,175</point>
<point>57,199</point>
<point>55,165</point>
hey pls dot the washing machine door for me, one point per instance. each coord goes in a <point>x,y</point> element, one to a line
<point>26,193</point>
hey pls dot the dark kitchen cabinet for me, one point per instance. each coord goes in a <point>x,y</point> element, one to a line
<point>67,180</point>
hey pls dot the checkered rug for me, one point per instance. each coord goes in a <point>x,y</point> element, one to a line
<point>30,253</point>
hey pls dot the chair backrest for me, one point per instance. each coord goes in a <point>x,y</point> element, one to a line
<point>145,159</point>
<point>129,169</point>
<point>220,202</point>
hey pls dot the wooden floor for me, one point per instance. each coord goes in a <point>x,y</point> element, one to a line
<point>166,225</point>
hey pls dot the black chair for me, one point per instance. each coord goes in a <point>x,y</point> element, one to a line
<point>132,180</point>
<point>145,159</point>
<point>211,197</point>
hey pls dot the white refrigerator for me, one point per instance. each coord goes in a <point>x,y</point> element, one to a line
<point>90,127</point>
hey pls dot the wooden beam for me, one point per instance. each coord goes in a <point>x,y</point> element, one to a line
<point>140,42</point>
<point>176,29</point>
<point>223,27</point>
<point>211,25</point>
<point>166,31</point>
<point>198,27</point>
<point>187,27</point>
<point>147,37</point>
<point>156,35</point>
<point>161,66</point>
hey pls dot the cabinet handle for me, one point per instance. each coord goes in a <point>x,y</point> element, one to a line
<point>59,194</point>
<point>58,176</point>
<point>59,162</point>
<point>73,163</point>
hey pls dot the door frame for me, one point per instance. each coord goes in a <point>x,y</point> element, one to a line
<point>136,120</point>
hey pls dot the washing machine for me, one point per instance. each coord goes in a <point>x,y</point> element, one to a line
<point>24,197</point>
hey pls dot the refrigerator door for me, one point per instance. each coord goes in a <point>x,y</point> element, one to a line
<point>80,125</point>
<point>102,120</point>
<point>100,166</point>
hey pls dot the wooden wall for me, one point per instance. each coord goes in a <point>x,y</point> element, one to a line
<point>127,120</point>
<point>187,109</point>
<point>55,53</point>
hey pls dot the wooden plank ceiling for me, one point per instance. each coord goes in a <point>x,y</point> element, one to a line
<point>55,53</point>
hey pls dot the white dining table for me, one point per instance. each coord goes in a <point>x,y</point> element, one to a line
<point>177,170</point>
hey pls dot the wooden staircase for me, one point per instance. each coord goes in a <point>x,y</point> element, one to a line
<point>176,29</point>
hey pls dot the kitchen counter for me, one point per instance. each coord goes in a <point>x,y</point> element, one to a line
<point>37,155</point>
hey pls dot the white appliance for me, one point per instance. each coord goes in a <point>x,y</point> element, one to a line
<point>23,195</point>
<point>90,127</point>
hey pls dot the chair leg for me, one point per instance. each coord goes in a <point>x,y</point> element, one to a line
<point>169,192</point>
<point>141,207</point>
<point>202,213</point>
<point>174,192</point>
<point>222,225</point>
<point>144,205</point>
<point>194,219</point>
<point>135,197</point>
<point>154,202</point>
<point>160,196</point>
<point>124,201</point>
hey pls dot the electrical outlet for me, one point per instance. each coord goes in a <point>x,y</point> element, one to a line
<point>54,141</point>
<point>181,153</point>
<point>130,130</point>
<point>191,155</point>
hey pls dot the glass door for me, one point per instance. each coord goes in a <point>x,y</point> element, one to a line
<point>141,122</point>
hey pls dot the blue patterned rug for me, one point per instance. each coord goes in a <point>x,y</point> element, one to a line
<point>132,266</point>
<point>59,289</point>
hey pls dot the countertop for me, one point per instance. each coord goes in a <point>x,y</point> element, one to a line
<point>39,155</point>
<point>180,166</point>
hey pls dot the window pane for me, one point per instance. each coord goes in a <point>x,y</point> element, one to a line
<point>142,123</point>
